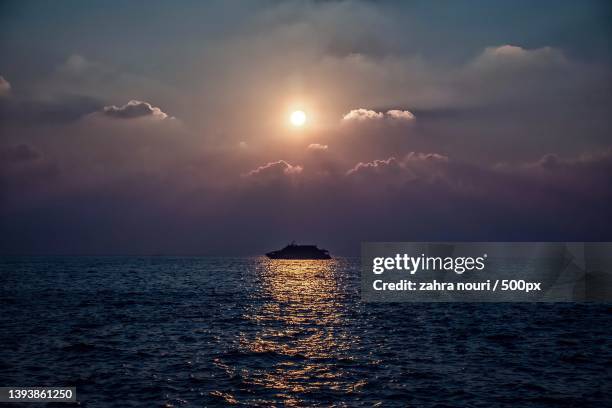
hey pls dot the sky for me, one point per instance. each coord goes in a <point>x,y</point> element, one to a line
<point>164,129</point>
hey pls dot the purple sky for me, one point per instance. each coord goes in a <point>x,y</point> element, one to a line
<point>166,131</point>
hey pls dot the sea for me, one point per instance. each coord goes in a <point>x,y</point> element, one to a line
<point>254,332</point>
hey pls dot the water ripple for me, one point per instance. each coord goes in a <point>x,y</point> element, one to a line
<point>192,332</point>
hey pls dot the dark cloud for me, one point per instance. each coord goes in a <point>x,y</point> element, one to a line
<point>553,161</point>
<point>387,167</point>
<point>58,110</point>
<point>5,86</point>
<point>26,175</point>
<point>18,153</point>
<point>417,196</point>
<point>134,109</point>
<point>541,182</point>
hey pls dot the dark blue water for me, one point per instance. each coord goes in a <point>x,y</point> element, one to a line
<point>199,332</point>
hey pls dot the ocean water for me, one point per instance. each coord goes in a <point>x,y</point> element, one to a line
<point>194,332</point>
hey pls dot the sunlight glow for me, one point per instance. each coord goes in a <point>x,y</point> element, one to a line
<point>298,118</point>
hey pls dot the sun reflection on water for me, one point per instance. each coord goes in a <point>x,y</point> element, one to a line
<point>301,341</point>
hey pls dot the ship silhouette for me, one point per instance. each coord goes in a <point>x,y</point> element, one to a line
<point>295,251</point>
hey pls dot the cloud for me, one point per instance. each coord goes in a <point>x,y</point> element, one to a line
<point>77,65</point>
<point>474,104</point>
<point>376,166</point>
<point>516,75</point>
<point>317,147</point>
<point>584,175</point>
<point>19,153</point>
<point>551,183</point>
<point>515,56</point>
<point>134,109</point>
<point>415,196</point>
<point>58,110</point>
<point>274,170</point>
<point>362,114</point>
<point>552,162</point>
<point>400,114</point>
<point>5,86</point>
<point>104,80</point>
<point>388,167</point>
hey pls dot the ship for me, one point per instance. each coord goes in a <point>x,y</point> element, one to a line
<point>295,251</point>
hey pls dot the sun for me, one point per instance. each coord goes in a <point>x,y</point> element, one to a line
<point>298,118</point>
